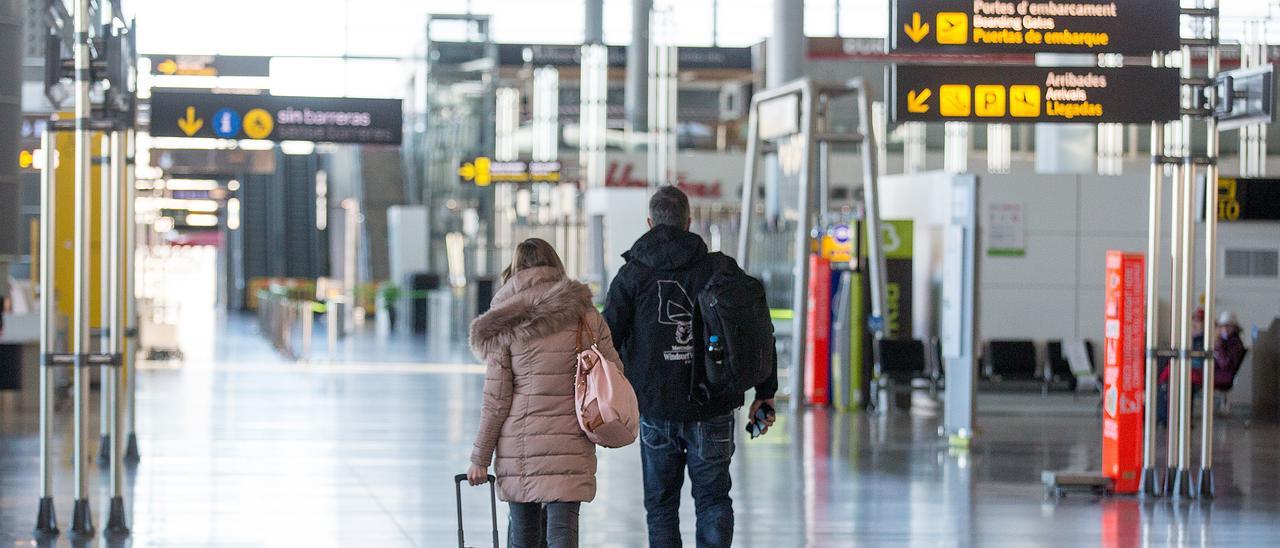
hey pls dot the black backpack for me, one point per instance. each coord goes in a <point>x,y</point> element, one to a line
<point>733,308</point>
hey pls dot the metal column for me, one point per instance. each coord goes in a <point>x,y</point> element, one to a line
<point>1206,486</point>
<point>46,520</point>
<point>593,22</point>
<point>1152,473</point>
<point>636,100</point>
<point>113,303</point>
<point>106,170</point>
<point>804,219</point>
<point>82,519</point>
<point>131,453</point>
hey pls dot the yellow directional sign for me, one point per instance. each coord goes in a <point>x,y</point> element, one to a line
<point>258,124</point>
<point>167,66</point>
<point>1009,94</point>
<point>915,30</point>
<point>477,171</point>
<point>1024,101</point>
<point>954,100</point>
<point>953,27</point>
<point>190,125</point>
<point>918,102</point>
<point>989,100</point>
<point>25,159</point>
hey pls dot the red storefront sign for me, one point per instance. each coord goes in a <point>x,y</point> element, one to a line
<point>621,175</point>
<point>1124,361</point>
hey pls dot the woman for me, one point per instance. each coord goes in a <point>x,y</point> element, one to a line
<point>545,465</point>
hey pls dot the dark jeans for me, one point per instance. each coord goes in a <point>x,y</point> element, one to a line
<point>537,525</point>
<point>706,447</point>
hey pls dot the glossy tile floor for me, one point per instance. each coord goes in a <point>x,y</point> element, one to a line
<point>241,448</point>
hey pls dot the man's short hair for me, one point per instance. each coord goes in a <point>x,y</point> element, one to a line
<point>669,206</point>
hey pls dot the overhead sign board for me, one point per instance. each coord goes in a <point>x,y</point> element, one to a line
<point>484,171</point>
<point>1245,96</point>
<point>210,65</point>
<point>1007,94</point>
<point>180,113</point>
<point>1035,26</point>
<point>1241,199</point>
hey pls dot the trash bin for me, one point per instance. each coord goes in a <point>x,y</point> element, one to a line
<point>419,284</point>
<point>483,294</point>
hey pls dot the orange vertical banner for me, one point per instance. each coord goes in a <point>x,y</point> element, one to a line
<point>1124,360</point>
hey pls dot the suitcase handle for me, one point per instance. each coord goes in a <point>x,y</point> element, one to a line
<point>493,506</point>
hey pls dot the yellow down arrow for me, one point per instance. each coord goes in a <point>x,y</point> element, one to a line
<point>916,31</point>
<point>918,102</point>
<point>478,172</point>
<point>190,125</point>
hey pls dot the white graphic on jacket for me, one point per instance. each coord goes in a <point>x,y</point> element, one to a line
<point>675,308</point>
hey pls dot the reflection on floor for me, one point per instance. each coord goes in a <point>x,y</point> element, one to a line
<point>243,449</point>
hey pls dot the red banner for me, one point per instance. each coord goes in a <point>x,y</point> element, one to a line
<point>817,339</point>
<point>1124,361</point>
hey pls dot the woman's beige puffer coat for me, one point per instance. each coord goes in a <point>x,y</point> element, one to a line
<point>527,341</point>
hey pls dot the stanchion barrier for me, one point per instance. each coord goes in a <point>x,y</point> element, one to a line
<point>46,519</point>
<point>1206,485</point>
<point>113,296</point>
<point>105,155</point>
<point>81,518</point>
<point>131,453</point>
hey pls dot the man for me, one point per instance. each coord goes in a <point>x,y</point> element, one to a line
<point>652,311</point>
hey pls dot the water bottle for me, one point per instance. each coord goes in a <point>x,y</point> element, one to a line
<point>715,351</point>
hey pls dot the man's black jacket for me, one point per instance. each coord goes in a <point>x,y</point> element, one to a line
<point>652,311</point>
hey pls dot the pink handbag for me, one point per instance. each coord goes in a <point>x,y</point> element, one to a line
<point>603,399</point>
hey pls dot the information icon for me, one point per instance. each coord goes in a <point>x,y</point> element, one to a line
<point>226,123</point>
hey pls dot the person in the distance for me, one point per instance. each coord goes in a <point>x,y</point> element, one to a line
<point>651,310</point>
<point>545,466</point>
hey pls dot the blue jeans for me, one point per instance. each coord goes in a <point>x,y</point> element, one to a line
<point>705,447</point>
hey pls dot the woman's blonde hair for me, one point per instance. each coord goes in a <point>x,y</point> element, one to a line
<point>532,253</point>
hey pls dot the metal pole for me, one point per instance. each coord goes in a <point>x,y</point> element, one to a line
<point>1210,272</point>
<point>593,29</point>
<point>113,301</point>
<point>131,454</point>
<point>1175,328</point>
<point>82,519</point>
<point>1151,471</point>
<point>871,197</point>
<point>749,187</point>
<point>800,297</point>
<point>1182,482</point>
<point>46,520</point>
<point>106,170</point>
<point>636,101</point>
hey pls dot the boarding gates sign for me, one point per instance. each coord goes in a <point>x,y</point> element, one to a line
<point>180,113</point>
<point>1007,94</point>
<point>1136,27</point>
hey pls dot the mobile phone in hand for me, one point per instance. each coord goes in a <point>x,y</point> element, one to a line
<point>757,424</point>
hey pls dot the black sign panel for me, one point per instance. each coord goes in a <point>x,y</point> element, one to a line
<point>1248,199</point>
<point>177,113</point>
<point>515,55</point>
<point>1136,27</point>
<point>1005,94</point>
<point>210,65</point>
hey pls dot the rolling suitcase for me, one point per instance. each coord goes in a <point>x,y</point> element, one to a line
<point>493,505</point>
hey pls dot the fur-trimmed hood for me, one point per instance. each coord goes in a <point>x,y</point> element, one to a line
<point>534,303</point>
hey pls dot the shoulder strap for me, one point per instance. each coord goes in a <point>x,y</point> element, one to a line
<point>583,325</point>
